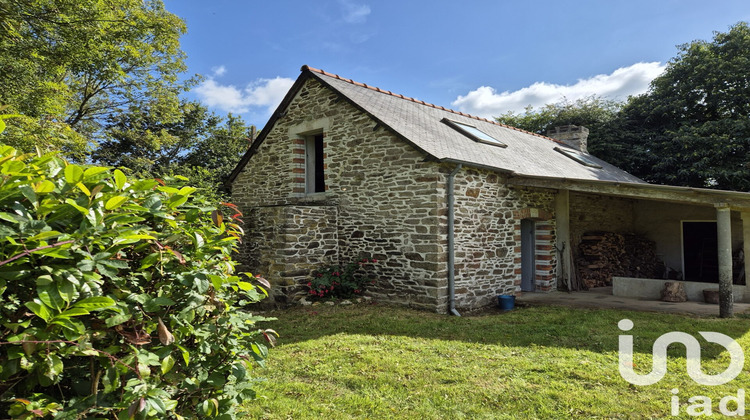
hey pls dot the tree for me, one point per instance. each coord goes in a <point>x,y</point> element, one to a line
<point>591,112</point>
<point>66,65</point>
<point>198,144</point>
<point>692,127</point>
<point>595,113</point>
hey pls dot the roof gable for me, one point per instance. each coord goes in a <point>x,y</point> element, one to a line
<point>421,125</point>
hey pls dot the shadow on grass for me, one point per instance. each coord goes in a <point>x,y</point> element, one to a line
<point>550,326</point>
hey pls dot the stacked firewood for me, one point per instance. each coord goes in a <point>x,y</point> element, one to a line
<point>602,255</point>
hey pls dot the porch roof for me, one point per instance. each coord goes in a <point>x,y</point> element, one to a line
<point>685,195</point>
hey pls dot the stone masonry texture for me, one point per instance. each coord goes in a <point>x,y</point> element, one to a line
<point>384,199</point>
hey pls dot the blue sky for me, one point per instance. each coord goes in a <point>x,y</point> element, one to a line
<point>481,57</point>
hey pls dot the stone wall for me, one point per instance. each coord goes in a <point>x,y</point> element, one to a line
<point>590,212</point>
<point>381,201</point>
<point>286,243</point>
<point>385,201</point>
<point>487,225</point>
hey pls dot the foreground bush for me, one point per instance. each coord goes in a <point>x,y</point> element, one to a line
<point>118,296</point>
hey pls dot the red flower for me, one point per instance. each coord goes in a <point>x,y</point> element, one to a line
<point>309,284</point>
<point>374,260</point>
<point>356,291</point>
<point>320,275</point>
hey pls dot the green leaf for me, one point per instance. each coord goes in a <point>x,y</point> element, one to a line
<point>8,217</point>
<point>187,191</point>
<point>39,309</point>
<point>84,189</point>
<point>198,240</point>
<point>115,202</point>
<point>111,380</point>
<point>94,171</point>
<point>115,263</point>
<point>70,324</point>
<point>120,179</point>
<point>45,235</point>
<point>185,354</point>
<point>166,364</point>
<point>94,303</point>
<point>245,285</point>
<point>28,192</point>
<point>176,201</point>
<point>72,312</point>
<point>55,365</point>
<point>117,319</point>
<point>44,187</point>
<point>50,296</point>
<point>83,210</point>
<point>73,174</point>
<point>139,236</point>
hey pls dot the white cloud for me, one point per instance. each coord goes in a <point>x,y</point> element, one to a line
<point>632,80</point>
<point>218,71</point>
<point>262,93</point>
<point>353,12</point>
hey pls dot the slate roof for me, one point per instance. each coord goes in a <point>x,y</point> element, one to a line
<point>419,123</point>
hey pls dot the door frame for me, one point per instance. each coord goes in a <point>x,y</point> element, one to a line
<point>528,255</point>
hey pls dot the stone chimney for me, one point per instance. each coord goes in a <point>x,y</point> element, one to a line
<point>573,135</point>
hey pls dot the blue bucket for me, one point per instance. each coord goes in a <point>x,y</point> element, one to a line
<point>506,302</point>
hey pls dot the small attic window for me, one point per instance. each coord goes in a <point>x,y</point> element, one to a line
<point>473,133</point>
<point>579,157</point>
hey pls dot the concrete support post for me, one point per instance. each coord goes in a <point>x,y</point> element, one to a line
<point>746,242</point>
<point>562,230</point>
<point>724,238</point>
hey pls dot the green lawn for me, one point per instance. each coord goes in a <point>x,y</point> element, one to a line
<point>374,361</point>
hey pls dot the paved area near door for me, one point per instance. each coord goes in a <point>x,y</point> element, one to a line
<point>601,297</point>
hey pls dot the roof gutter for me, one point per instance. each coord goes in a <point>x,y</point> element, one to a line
<point>451,246</point>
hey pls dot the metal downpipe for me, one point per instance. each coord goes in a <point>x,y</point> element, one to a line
<point>451,241</point>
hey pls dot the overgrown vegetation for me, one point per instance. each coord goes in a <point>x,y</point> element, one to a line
<point>341,281</point>
<point>375,362</point>
<point>102,82</point>
<point>118,296</point>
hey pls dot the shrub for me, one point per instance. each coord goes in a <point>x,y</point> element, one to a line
<point>341,281</point>
<point>118,296</point>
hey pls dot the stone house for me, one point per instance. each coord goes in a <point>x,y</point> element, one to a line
<point>456,208</point>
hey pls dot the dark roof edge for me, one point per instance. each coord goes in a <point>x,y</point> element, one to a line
<point>478,166</point>
<point>642,186</point>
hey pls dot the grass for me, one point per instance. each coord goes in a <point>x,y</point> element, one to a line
<point>380,362</point>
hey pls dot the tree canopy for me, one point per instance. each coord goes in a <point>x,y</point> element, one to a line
<point>691,128</point>
<point>693,124</point>
<point>199,144</point>
<point>67,65</point>
<point>595,113</point>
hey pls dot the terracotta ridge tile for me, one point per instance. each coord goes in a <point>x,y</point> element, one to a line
<point>397,95</point>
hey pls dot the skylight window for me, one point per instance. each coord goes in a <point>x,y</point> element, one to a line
<point>474,133</point>
<point>579,157</point>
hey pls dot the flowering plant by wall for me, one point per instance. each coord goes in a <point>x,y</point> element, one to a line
<point>342,281</point>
